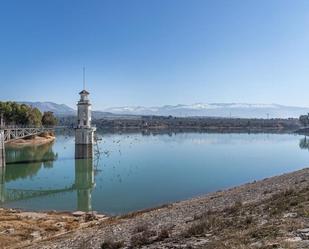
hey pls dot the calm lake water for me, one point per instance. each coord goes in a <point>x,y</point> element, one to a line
<point>136,171</point>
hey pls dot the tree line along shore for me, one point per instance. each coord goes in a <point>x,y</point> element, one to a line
<point>185,124</point>
<point>22,115</point>
<point>12,113</point>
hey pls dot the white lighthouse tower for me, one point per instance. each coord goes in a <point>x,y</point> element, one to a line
<point>84,132</point>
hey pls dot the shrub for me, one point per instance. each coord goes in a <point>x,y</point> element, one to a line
<point>140,239</point>
<point>163,234</point>
<point>108,244</point>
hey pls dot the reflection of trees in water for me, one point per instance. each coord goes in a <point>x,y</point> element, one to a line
<point>304,143</point>
<point>26,161</point>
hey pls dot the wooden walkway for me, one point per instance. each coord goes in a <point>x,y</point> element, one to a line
<point>10,134</point>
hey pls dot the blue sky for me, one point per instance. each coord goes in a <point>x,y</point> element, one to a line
<point>155,52</point>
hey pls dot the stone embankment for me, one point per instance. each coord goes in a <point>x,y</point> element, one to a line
<point>272,213</point>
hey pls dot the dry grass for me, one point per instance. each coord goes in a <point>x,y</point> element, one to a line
<point>240,226</point>
<point>16,228</point>
<point>137,213</point>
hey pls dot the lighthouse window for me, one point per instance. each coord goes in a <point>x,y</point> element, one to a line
<point>85,122</point>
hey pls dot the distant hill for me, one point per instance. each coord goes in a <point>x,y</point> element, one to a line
<point>241,110</point>
<point>57,109</point>
<point>64,110</point>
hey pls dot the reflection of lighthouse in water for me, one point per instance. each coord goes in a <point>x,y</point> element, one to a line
<point>84,183</point>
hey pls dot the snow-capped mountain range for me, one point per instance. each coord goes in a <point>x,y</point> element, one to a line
<point>241,110</point>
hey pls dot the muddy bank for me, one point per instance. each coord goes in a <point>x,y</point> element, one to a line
<point>272,213</point>
<point>44,138</point>
<point>19,228</point>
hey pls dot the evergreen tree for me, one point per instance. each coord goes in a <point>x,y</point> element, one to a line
<point>20,114</point>
<point>49,119</point>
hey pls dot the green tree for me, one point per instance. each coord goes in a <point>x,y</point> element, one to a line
<point>49,119</point>
<point>304,119</point>
<point>20,114</point>
<point>35,117</point>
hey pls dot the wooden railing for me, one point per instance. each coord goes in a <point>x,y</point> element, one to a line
<point>12,133</point>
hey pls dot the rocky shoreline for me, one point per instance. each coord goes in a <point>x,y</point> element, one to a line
<point>272,213</point>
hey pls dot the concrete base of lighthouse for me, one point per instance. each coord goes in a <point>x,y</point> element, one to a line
<point>84,140</point>
<point>84,135</point>
<point>83,151</point>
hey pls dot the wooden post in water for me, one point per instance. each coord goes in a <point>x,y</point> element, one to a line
<point>1,120</point>
<point>2,166</point>
<point>2,184</point>
<point>2,149</point>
